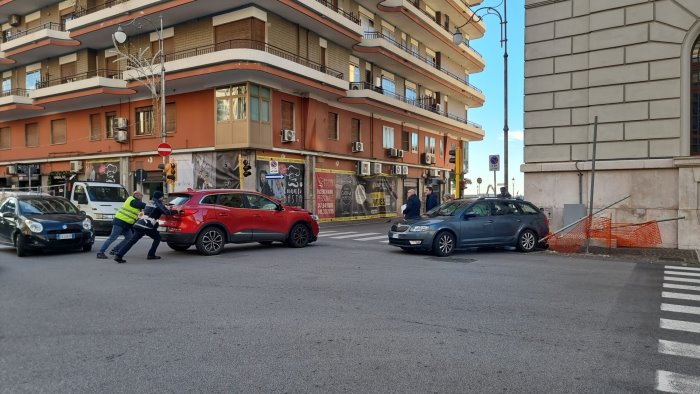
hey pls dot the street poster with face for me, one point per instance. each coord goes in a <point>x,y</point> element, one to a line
<point>287,184</point>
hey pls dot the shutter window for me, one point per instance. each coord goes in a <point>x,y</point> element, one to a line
<point>287,115</point>
<point>95,132</point>
<point>31,134</point>
<point>58,131</point>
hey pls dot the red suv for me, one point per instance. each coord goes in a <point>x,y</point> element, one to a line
<point>210,219</point>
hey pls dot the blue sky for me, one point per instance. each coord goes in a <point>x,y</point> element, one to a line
<point>490,81</point>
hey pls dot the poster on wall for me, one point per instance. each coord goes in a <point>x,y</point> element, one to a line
<point>185,171</point>
<point>344,195</point>
<point>102,171</point>
<point>281,178</point>
<point>227,170</point>
<point>204,171</point>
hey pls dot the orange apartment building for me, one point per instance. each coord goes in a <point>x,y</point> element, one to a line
<point>340,106</point>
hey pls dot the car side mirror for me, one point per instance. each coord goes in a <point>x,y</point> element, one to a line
<point>82,212</point>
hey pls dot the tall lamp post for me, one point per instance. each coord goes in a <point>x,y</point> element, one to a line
<point>144,68</point>
<point>458,38</point>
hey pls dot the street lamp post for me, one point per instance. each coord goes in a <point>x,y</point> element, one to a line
<point>120,37</point>
<point>458,38</point>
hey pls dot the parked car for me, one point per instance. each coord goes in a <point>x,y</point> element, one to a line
<point>461,224</point>
<point>209,219</point>
<point>36,221</point>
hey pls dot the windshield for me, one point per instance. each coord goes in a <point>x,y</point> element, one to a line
<point>448,208</point>
<point>42,206</point>
<point>178,199</point>
<point>107,194</point>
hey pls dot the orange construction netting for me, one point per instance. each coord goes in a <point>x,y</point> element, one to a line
<point>603,232</point>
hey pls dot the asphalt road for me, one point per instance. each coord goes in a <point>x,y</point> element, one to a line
<point>342,315</point>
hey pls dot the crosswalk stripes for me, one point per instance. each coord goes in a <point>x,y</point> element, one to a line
<point>682,281</point>
<point>371,238</point>
<point>354,236</point>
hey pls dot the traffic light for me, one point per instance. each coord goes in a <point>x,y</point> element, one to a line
<point>161,167</point>
<point>171,173</point>
<point>246,168</point>
<point>453,156</point>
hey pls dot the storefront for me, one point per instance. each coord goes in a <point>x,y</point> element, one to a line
<point>342,195</point>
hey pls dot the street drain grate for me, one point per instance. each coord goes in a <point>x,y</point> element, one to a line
<point>459,260</point>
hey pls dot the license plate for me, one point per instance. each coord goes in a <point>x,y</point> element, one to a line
<point>65,236</point>
<point>394,235</point>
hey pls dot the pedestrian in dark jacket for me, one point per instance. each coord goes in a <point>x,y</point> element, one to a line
<point>412,210</point>
<point>146,225</point>
<point>123,220</point>
<point>431,198</point>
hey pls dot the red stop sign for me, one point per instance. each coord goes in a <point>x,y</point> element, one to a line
<point>164,149</point>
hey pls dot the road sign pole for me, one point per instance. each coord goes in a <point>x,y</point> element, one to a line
<point>494,184</point>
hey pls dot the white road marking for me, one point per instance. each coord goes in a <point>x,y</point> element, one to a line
<point>680,296</point>
<point>677,383</point>
<point>332,235</point>
<point>679,349</point>
<point>693,310</point>
<point>681,287</point>
<point>385,242</point>
<point>679,279</point>
<point>327,232</point>
<point>372,238</point>
<point>679,325</point>
<point>675,267</point>
<point>681,273</point>
<point>353,235</point>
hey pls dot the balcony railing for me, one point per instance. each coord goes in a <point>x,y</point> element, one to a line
<point>349,15</point>
<point>114,74</point>
<point>15,92</point>
<point>48,25</point>
<point>255,45</point>
<point>417,55</point>
<point>427,103</point>
<point>99,7</point>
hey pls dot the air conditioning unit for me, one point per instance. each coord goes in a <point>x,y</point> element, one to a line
<point>428,158</point>
<point>438,107</point>
<point>121,136</point>
<point>376,168</point>
<point>435,173</point>
<point>358,146</point>
<point>11,170</point>
<point>399,153</point>
<point>14,20</point>
<point>396,169</point>
<point>404,170</point>
<point>363,168</point>
<point>120,123</point>
<point>392,152</point>
<point>76,166</point>
<point>289,136</point>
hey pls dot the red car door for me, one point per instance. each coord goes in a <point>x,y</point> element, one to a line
<point>271,222</point>
<point>231,210</point>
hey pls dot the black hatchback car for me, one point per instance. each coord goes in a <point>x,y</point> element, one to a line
<point>36,221</point>
<point>461,224</point>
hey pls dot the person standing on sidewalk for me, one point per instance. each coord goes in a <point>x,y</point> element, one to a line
<point>412,210</point>
<point>125,217</point>
<point>146,225</point>
<point>431,198</point>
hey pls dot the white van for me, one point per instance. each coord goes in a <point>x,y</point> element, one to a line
<point>100,201</point>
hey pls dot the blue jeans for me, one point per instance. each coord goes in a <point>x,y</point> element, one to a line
<point>118,228</point>
<point>136,235</point>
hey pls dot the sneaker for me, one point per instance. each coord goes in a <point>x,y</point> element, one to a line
<point>112,252</point>
<point>153,258</point>
<point>101,256</point>
<point>119,260</point>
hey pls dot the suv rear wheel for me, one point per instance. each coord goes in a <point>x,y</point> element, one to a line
<point>527,240</point>
<point>210,241</point>
<point>299,236</point>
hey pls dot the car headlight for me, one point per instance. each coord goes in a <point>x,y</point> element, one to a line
<point>419,228</point>
<point>314,217</point>
<point>34,227</point>
<point>87,224</point>
<point>98,216</point>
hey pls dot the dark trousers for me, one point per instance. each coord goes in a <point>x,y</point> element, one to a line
<point>136,234</point>
<point>118,228</point>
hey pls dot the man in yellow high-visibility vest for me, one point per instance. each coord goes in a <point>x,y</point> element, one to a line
<point>123,220</point>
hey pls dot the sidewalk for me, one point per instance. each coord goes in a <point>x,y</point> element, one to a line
<point>646,255</point>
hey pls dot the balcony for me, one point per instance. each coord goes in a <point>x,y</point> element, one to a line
<point>35,44</point>
<point>421,69</point>
<point>424,111</point>
<point>16,103</point>
<point>239,60</point>
<point>20,7</point>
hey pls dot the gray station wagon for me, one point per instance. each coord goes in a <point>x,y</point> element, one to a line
<point>462,224</point>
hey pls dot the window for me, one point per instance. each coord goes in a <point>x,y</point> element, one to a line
<point>442,148</point>
<point>31,135</point>
<point>170,118</point>
<point>482,208</point>
<point>109,118</point>
<point>95,132</point>
<point>144,121</point>
<point>388,85</point>
<point>414,142</point>
<point>287,115</point>
<point>232,200</point>
<point>355,130</point>
<point>410,93</point>
<point>354,73</point>
<point>58,131</point>
<point>432,145</point>
<point>6,85</point>
<point>260,202</point>
<point>405,136</point>
<point>231,103</point>
<point>388,137</point>
<point>5,138</point>
<point>332,126</point>
<point>426,144</point>
<point>695,99</point>
<point>32,79</point>
<point>527,208</point>
<point>504,208</point>
<point>259,103</point>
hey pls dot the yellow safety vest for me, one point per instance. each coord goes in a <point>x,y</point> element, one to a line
<point>127,213</point>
